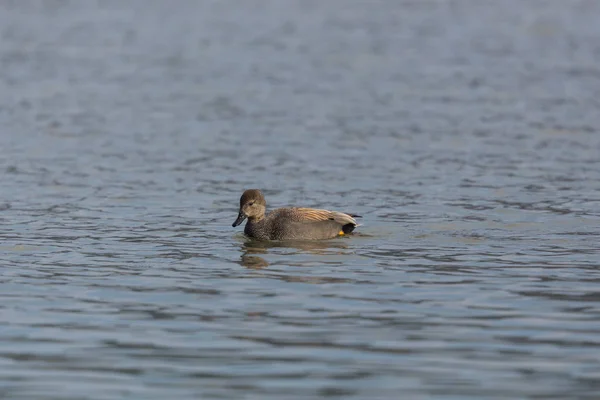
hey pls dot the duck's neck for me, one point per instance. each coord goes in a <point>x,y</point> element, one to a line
<point>256,219</point>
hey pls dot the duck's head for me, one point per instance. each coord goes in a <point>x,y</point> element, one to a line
<point>252,206</point>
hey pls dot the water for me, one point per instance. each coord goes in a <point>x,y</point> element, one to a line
<point>466,134</point>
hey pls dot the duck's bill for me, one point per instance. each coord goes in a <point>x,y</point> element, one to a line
<point>241,217</point>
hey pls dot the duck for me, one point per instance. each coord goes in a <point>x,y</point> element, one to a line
<point>291,223</point>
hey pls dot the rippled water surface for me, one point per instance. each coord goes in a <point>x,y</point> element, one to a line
<point>466,133</point>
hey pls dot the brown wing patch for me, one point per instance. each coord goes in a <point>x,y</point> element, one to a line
<point>309,215</point>
<point>312,214</point>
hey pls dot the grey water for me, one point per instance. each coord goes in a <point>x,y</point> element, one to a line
<point>466,133</point>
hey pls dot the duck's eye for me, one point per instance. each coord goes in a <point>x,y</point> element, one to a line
<point>251,203</point>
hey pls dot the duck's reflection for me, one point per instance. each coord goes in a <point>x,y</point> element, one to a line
<point>250,249</point>
<point>253,262</point>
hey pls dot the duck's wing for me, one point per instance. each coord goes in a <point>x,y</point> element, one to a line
<point>299,214</point>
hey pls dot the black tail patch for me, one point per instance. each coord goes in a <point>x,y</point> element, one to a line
<point>348,228</point>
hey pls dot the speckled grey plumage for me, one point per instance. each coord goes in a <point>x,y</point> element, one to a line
<point>280,224</point>
<point>290,223</point>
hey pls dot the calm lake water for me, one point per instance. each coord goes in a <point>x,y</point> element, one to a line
<point>465,132</point>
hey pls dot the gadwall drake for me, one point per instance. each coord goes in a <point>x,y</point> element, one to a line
<point>290,223</point>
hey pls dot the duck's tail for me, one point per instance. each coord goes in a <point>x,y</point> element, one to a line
<point>350,226</point>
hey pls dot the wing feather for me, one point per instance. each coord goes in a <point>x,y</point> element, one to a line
<point>317,215</point>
